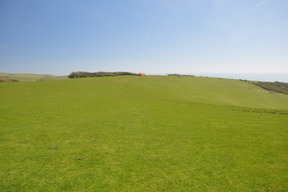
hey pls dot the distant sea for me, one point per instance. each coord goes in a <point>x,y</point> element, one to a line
<point>282,77</point>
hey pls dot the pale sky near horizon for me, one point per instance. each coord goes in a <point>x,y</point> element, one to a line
<point>153,36</point>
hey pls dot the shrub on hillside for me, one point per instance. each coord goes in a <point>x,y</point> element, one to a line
<point>81,74</point>
<point>276,86</point>
<point>9,80</point>
<point>179,75</point>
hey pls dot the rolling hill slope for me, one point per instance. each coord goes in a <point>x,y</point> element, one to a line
<point>150,133</point>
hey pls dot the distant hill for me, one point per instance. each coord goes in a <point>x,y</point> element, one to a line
<point>28,77</point>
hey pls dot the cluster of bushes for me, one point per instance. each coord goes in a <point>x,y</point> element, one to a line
<point>9,80</point>
<point>81,74</point>
<point>276,86</point>
<point>179,75</point>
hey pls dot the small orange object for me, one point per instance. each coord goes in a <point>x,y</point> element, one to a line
<point>141,74</point>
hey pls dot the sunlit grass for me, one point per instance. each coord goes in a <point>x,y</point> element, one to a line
<point>142,134</point>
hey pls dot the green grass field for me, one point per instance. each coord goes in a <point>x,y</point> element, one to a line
<point>148,133</point>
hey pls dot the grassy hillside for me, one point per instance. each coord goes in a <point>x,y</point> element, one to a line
<point>30,77</point>
<point>142,134</point>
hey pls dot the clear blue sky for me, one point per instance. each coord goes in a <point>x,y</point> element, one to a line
<point>153,36</point>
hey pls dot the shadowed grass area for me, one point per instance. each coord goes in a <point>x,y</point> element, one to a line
<point>148,133</point>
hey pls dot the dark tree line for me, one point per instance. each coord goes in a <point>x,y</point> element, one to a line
<point>81,74</point>
<point>276,86</point>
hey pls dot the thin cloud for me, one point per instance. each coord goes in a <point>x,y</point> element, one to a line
<point>238,14</point>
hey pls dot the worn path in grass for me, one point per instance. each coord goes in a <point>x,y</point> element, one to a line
<point>142,134</point>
